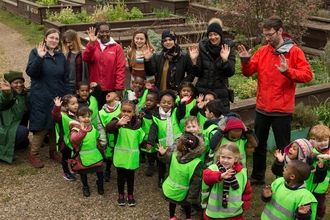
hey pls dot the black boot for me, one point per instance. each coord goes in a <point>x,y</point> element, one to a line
<point>86,191</point>
<point>160,182</point>
<point>100,188</point>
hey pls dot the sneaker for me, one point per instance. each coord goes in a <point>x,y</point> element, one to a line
<point>68,176</point>
<point>106,176</point>
<point>86,191</point>
<point>256,182</point>
<point>55,156</point>
<point>130,200</point>
<point>150,170</point>
<point>121,199</point>
<point>192,211</point>
<point>36,161</point>
<point>174,218</point>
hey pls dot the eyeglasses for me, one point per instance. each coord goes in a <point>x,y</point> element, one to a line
<point>268,35</point>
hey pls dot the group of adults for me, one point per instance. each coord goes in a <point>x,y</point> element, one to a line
<point>280,65</point>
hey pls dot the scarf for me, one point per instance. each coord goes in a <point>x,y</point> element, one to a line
<point>169,132</point>
<point>232,181</point>
<point>214,50</point>
<point>171,57</point>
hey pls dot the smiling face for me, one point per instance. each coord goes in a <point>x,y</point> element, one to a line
<point>139,40</point>
<point>293,152</point>
<point>192,127</point>
<point>186,91</point>
<point>52,40</point>
<point>83,92</point>
<point>168,43</point>
<point>214,38</point>
<point>166,103</point>
<point>69,44</point>
<point>104,34</point>
<point>207,98</point>
<point>85,119</point>
<point>17,85</point>
<point>227,158</point>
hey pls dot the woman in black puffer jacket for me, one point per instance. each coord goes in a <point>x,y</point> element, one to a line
<point>214,62</point>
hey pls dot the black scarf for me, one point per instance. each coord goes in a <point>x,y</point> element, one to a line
<point>214,50</point>
<point>226,184</point>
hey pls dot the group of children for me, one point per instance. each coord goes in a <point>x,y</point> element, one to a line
<point>205,150</point>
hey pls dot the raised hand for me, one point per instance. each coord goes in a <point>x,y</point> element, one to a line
<point>57,101</point>
<point>229,173</point>
<point>41,49</point>
<point>224,52</point>
<point>242,52</point>
<point>123,121</point>
<point>320,163</point>
<point>200,98</point>
<point>147,52</point>
<point>92,84</point>
<point>278,154</point>
<point>267,192</point>
<point>284,66</point>
<point>185,98</point>
<point>194,53</point>
<point>161,149</point>
<point>91,35</point>
<point>147,84</point>
<point>5,86</point>
<point>303,209</point>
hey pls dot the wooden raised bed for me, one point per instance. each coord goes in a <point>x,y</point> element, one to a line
<point>318,32</point>
<point>10,5</point>
<point>144,6</point>
<point>37,13</point>
<point>148,21</point>
<point>176,6</point>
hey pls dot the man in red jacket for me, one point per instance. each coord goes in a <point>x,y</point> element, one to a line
<point>280,65</point>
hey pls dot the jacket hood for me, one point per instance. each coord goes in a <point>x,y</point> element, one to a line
<point>111,41</point>
<point>195,153</point>
<point>285,47</point>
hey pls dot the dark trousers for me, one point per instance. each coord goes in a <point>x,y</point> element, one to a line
<point>161,169</point>
<point>281,126</point>
<point>124,175</point>
<point>321,206</point>
<point>152,157</point>
<point>21,139</point>
<point>187,210</point>
<point>66,154</point>
<point>83,178</point>
<point>101,101</point>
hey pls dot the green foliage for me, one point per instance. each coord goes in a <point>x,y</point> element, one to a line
<point>162,13</point>
<point>135,14</point>
<point>103,2</point>
<point>322,111</point>
<point>67,16</point>
<point>155,39</point>
<point>303,116</point>
<point>47,2</point>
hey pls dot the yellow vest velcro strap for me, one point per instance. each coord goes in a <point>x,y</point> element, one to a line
<point>178,185</point>
<point>268,213</point>
<point>127,150</point>
<point>87,151</point>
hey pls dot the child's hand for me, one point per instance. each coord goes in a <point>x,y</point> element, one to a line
<point>200,98</point>
<point>184,99</point>
<point>57,101</point>
<point>278,154</point>
<point>267,192</point>
<point>148,146</point>
<point>303,209</point>
<point>161,149</point>
<point>201,104</point>
<point>323,156</point>
<point>5,86</point>
<point>83,126</point>
<point>142,114</point>
<point>320,164</point>
<point>123,121</point>
<point>147,84</point>
<point>229,173</point>
<point>92,84</point>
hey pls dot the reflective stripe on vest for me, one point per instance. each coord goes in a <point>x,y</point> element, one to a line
<point>146,124</point>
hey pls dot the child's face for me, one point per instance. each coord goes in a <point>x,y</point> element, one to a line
<point>85,119</point>
<point>127,110</point>
<point>83,92</point>
<point>287,172</point>
<point>227,158</point>
<point>293,152</point>
<point>186,91</point>
<point>208,114</point>
<point>180,147</point>
<point>72,105</point>
<point>208,98</point>
<point>111,96</point>
<point>166,103</point>
<point>193,127</point>
<point>322,144</point>
<point>151,101</point>
<point>138,84</point>
<point>234,134</point>
<point>139,40</point>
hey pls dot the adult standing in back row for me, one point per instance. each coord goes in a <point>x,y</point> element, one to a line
<point>214,62</point>
<point>106,61</point>
<point>280,65</point>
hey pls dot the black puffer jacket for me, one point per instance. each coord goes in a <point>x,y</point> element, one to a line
<point>213,74</point>
<point>155,65</point>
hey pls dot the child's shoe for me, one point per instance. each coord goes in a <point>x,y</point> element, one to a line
<point>130,200</point>
<point>192,211</point>
<point>174,218</point>
<point>160,182</point>
<point>100,188</point>
<point>106,176</point>
<point>150,170</point>
<point>86,191</point>
<point>68,176</point>
<point>121,199</point>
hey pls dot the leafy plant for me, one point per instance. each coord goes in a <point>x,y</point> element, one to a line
<point>47,2</point>
<point>303,116</point>
<point>162,13</point>
<point>67,16</point>
<point>155,39</point>
<point>135,14</point>
<point>322,111</point>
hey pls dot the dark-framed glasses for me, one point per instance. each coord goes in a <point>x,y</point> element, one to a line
<point>268,35</point>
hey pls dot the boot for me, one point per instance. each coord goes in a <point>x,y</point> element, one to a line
<point>160,182</point>
<point>150,170</point>
<point>86,191</point>
<point>36,161</point>
<point>55,156</point>
<point>106,176</point>
<point>100,188</point>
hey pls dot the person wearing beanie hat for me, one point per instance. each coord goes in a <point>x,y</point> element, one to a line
<point>300,149</point>
<point>14,105</point>
<point>170,65</point>
<point>213,62</point>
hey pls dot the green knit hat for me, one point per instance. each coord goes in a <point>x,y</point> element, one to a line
<point>13,75</point>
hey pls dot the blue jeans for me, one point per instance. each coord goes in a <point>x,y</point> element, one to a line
<point>281,126</point>
<point>21,140</point>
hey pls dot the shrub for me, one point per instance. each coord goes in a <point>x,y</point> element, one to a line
<point>303,116</point>
<point>135,14</point>
<point>322,111</point>
<point>47,2</point>
<point>155,39</point>
<point>162,13</point>
<point>67,16</point>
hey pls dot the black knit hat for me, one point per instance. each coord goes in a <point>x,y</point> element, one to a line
<point>13,75</point>
<point>214,27</point>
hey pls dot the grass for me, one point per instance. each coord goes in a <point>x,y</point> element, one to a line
<point>32,32</point>
<point>27,171</point>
